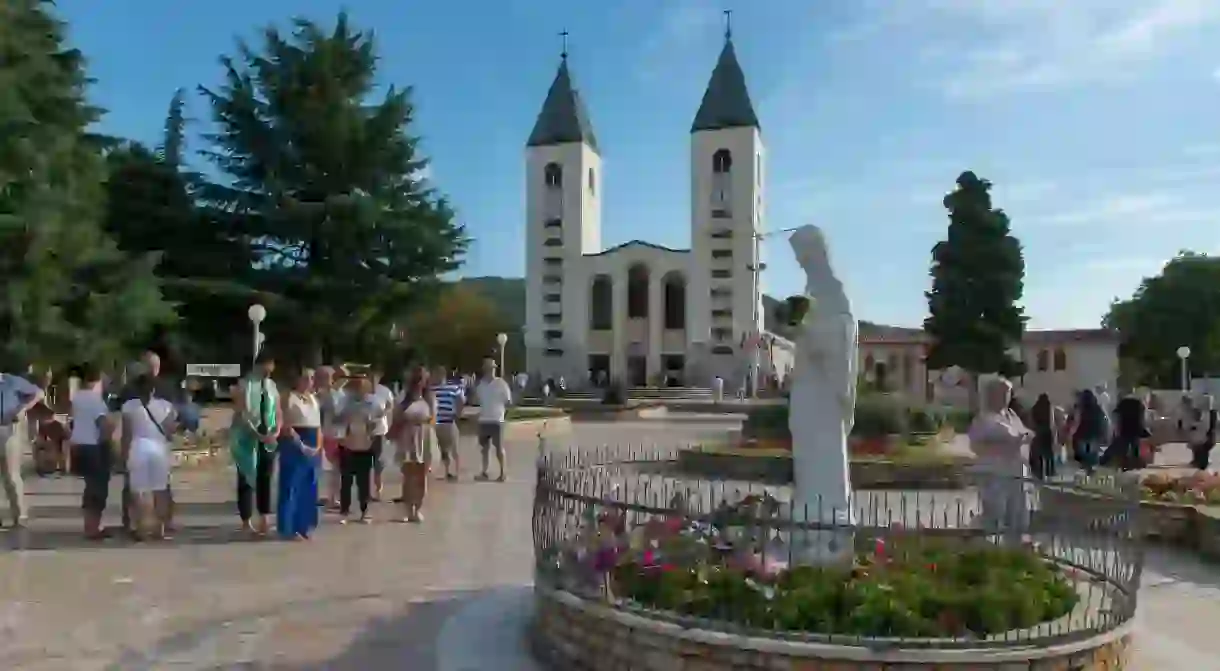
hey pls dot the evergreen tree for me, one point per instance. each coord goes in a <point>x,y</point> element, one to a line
<point>205,266</point>
<point>329,182</point>
<point>977,278</point>
<point>69,294</point>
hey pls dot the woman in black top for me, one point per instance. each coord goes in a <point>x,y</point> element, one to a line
<point>1203,434</point>
<point>1042,449</point>
<point>1091,429</point>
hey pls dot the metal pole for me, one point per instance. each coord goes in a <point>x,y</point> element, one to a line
<point>1185,374</point>
<point>254,358</point>
<point>503,373</point>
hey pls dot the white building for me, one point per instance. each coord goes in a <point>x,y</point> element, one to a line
<point>640,312</point>
<point>1058,363</point>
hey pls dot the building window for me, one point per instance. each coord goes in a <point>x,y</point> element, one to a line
<point>722,234</point>
<point>552,318</point>
<point>1061,359</point>
<point>1044,361</point>
<point>722,334</point>
<point>553,223</point>
<point>553,334</point>
<point>722,162</point>
<point>553,242</point>
<point>722,274</point>
<point>553,262</point>
<point>722,253</point>
<point>554,352</point>
<point>722,349</point>
<point>553,174</point>
<point>721,292</point>
<point>720,211</point>
<point>674,296</point>
<point>553,298</point>
<point>592,180</point>
<point>601,303</point>
<point>552,279</point>
<point>637,292</point>
<point>722,313</point>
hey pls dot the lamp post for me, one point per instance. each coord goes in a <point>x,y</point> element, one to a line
<point>502,340</point>
<point>756,325</point>
<point>1184,355</point>
<point>257,314</point>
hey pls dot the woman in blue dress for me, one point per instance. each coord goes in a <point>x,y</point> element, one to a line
<point>297,504</point>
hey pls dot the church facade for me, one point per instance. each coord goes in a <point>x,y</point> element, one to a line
<point>638,312</point>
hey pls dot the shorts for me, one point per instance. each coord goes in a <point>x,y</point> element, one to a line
<point>447,436</point>
<point>148,466</point>
<point>93,464</point>
<point>491,433</point>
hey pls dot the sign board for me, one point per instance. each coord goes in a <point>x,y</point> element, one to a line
<point>213,370</point>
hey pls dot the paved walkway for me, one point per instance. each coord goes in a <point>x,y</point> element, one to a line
<point>450,595</point>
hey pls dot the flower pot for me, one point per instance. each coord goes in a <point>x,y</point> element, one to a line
<point>872,445</point>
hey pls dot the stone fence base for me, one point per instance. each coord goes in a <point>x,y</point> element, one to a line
<point>572,634</point>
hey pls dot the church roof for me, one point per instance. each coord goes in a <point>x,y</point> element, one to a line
<point>639,243</point>
<point>726,102</point>
<point>563,118</point>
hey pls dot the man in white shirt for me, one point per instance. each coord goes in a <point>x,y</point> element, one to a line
<point>493,396</point>
<point>383,402</point>
<point>17,397</point>
<point>91,449</point>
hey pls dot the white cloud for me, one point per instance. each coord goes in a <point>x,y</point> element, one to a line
<point>996,46</point>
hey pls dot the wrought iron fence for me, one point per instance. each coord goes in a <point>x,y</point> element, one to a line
<point>1003,561</point>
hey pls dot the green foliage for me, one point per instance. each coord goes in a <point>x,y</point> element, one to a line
<point>768,421</point>
<point>977,279</point>
<point>329,186</point>
<point>922,419</point>
<point>1180,306</point>
<point>69,294</point>
<point>879,415</point>
<point>914,588</point>
<point>792,311</point>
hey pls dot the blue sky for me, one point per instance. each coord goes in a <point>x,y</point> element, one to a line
<point>1096,119</point>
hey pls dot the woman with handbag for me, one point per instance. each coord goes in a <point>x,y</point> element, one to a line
<point>148,422</point>
<point>415,437</point>
<point>296,510</point>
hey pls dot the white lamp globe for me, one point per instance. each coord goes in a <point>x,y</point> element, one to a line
<point>257,313</point>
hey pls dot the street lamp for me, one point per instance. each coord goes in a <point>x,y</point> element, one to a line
<point>1184,355</point>
<point>755,340</point>
<point>502,340</point>
<point>257,314</point>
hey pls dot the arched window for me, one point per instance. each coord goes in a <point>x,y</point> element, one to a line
<point>1044,361</point>
<point>722,162</point>
<point>601,303</point>
<point>1061,359</point>
<point>674,296</point>
<point>592,189</point>
<point>553,174</point>
<point>637,291</point>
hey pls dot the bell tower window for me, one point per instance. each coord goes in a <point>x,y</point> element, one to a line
<point>553,175</point>
<point>722,162</point>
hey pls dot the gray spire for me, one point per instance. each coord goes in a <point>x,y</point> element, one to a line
<point>563,118</point>
<point>726,102</point>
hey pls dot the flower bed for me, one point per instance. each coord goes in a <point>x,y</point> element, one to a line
<point>902,586</point>
<point>1194,489</point>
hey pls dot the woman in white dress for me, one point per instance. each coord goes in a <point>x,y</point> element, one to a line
<point>148,422</point>
<point>1000,442</point>
<point>415,435</point>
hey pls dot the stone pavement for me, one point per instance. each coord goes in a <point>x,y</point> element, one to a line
<point>449,595</point>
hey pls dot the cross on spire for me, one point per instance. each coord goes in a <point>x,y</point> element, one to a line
<point>728,24</point>
<point>564,36</point>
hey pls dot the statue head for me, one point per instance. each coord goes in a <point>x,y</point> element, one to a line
<point>822,285</point>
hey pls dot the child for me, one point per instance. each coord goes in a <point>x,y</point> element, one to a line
<point>359,418</point>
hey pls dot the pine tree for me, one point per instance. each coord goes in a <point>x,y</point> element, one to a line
<point>69,294</point>
<point>329,180</point>
<point>977,278</point>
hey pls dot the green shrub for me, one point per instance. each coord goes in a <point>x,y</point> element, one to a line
<point>879,415</point>
<point>615,394</point>
<point>766,422</point>
<point>922,419</point>
<point>958,418</point>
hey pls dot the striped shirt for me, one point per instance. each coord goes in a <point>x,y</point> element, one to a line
<point>448,399</point>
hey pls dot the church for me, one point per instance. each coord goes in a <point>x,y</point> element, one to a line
<point>639,312</point>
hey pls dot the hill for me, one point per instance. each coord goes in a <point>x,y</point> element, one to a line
<point>508,294</point>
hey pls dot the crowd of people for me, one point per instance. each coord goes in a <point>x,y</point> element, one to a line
<point>331,434</point>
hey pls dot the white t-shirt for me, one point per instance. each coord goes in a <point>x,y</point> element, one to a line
<point>142,426</point>
<point>87,407</point>
<point>383,399</point>
<point>494,397</point>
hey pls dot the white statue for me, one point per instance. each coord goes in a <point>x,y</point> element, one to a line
<point>823,403</point>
